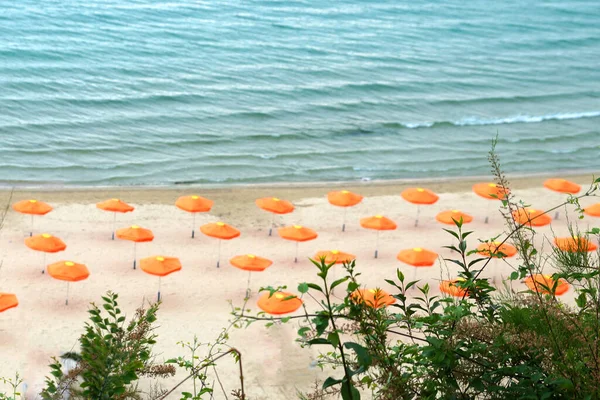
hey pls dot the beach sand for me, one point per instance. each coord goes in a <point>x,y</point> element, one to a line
<point>195,300</point>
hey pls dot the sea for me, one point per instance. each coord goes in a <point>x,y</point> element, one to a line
<point>149,92</point>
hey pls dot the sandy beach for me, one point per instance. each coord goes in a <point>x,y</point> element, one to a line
<point>195,300</point>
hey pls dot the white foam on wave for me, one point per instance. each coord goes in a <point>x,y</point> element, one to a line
<point>516,119</point>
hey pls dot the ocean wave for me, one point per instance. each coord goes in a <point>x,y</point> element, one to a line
<point>475,121</point>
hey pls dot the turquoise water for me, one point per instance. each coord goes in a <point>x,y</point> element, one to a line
<point>118,92</point>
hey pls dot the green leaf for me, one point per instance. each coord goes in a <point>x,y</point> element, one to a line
<point>330,382</point>
<point>581,300</point>
<point>349,392</point>
<point>302,331</point>
<point>303,287</point>
<point>334,339</point>
<point>319,341</point>
<point>400,275</point>
<point>338,282</point>
<point>362,355</point>
<point>315,287</point>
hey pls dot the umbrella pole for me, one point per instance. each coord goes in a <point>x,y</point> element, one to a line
<point>248,285</point>
<point>344,220</point>
<point>417,219</point>
<point>134,254</point>
<point>296,259</point>
<point>219,256</point>
<point>31,232</point>
<point>158,297</point>
<point>114,225</point>
<point>44,265</point>
<point>194,224</point>
<point>67,300</point>
<point>377,245</point>
<point>272,224</point>
<point>415,274</point>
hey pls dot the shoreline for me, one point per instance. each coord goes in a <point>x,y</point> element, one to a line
<point>291,191</point>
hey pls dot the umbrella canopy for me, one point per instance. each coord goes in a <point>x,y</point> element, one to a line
<point>490,191</point>
<point>46,243</point>
<point>32,207</point>
<point>449,287</point>
<point>547,281</point>
<point>297,233</point>
<point>593,210</point>
<point>279,303</point>
<point>419,196</point>
<point>378,222</point>
<point>251,262</point>
<point>194,204</point>
<point>8,301</point>
<point>135,234</point>
<point>220,230</point>
<point>375,298</point>
<point>344,198</point>
<point>160,265</point>
<point>562,186</point>
<point>275,205</point>
<point>531,216</point>
<point>448,217</point>
<point>68,271</point>
<point>418,257</point>
<point>115,205</point>
<point>334,256</point>
<point>495,248</point>
<point>574,244</point>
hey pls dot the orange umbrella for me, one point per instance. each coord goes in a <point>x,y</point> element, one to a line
<point>279,303</point>
<point>496,249</point>
<point>221,231</point>
<point>561,186</point>
<point>542,280</point>
<point>574,244</point>
<point>250,263</point>
<point>593,210</point>
<point>375,298</point>
<point>419,196</point>
<point>334,256</point>
<point>378,223</point>
<point>68,271</point>
<point>274,205</point>
<point>344,199</point>
<point>115,206</point>
<point>45,243</point>
<point>297,233</point>
<point>490,191</point>
<point>448,217</point>
<point>531,217</point>
<point>417,257</point>
<point>194,204</point>
<point>137,235</point>
<point>32,207</point>
<point>8,301</point>
<point>160,266</point>
<point>449,287</point>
